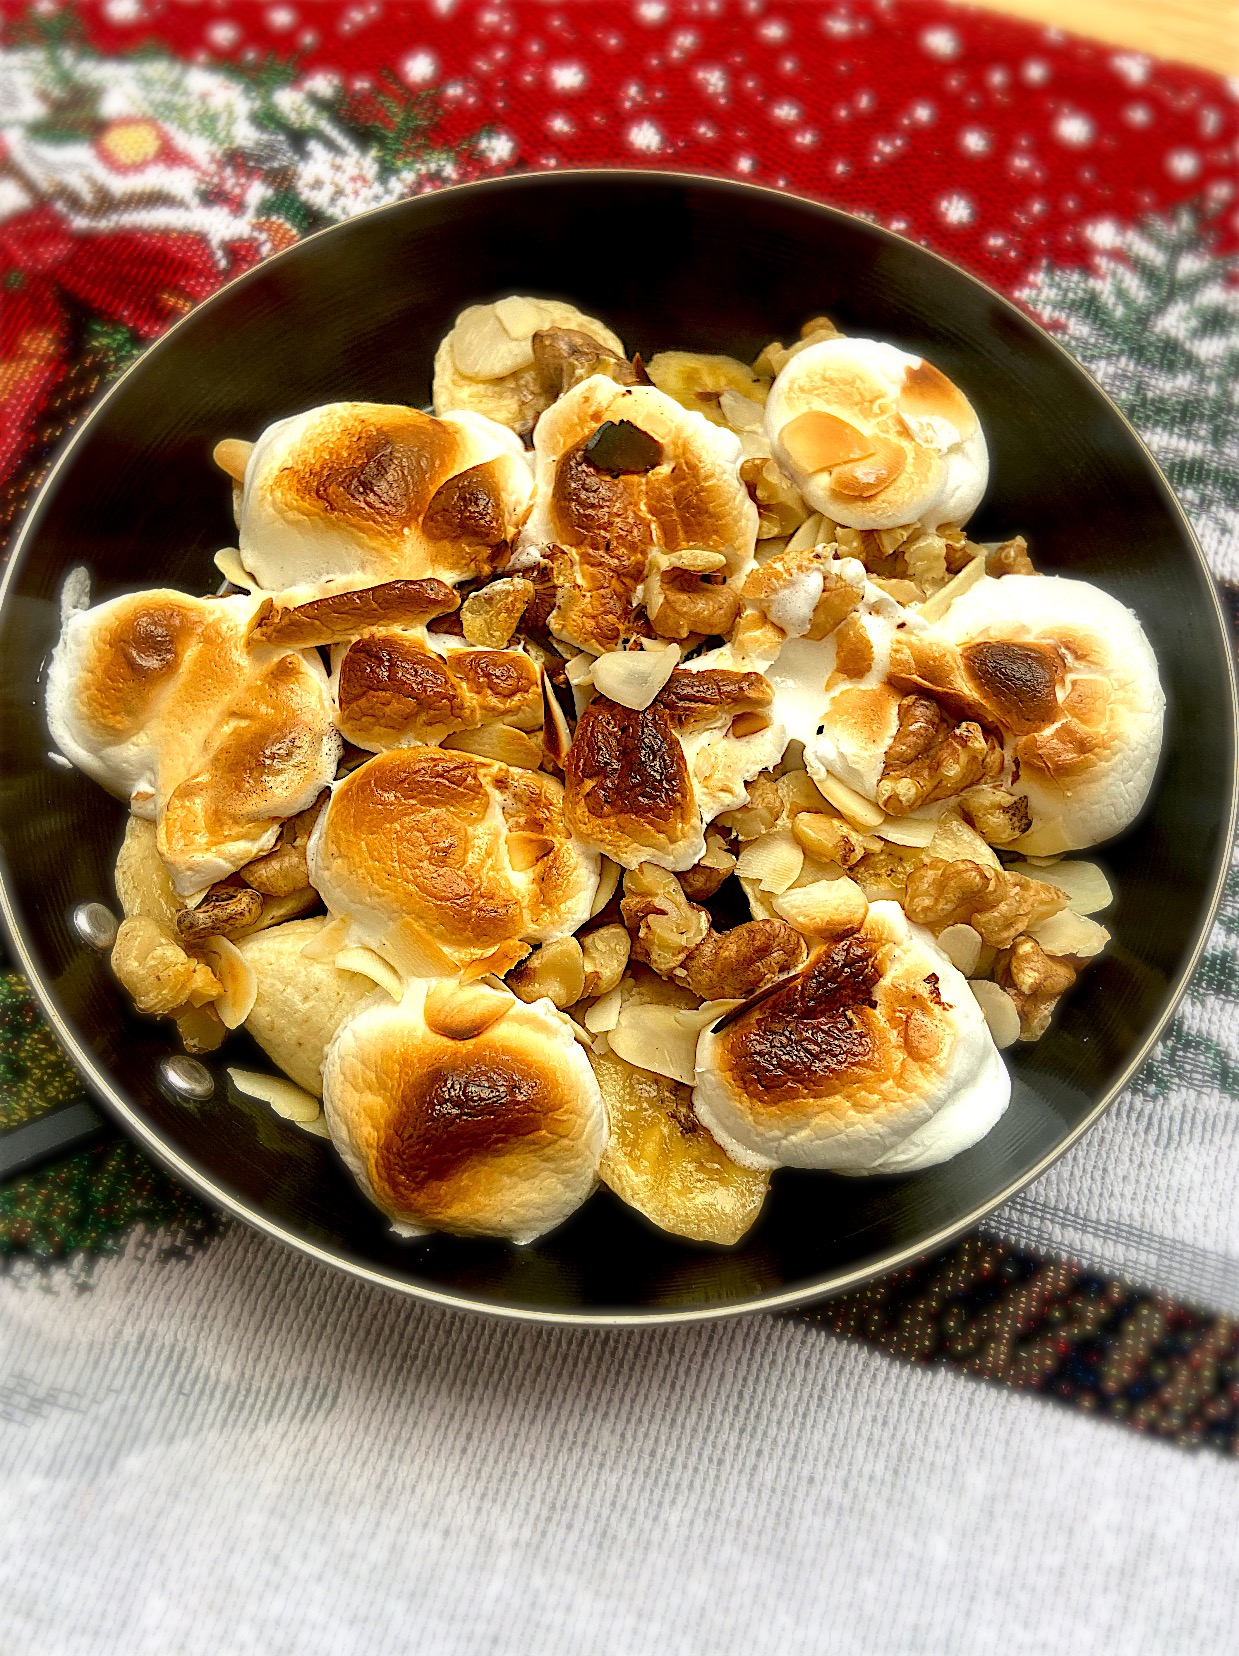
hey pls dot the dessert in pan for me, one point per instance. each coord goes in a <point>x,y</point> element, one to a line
<point>628,772</point>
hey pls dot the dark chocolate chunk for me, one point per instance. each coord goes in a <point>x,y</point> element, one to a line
<point>619,446</point>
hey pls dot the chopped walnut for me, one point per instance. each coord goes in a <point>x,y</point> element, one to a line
<point>758,817</point>
<point>492,614</point>
<point>781,507</point>
<point>555,972</point>
<point>605,951</point>
<point>998,815</point>
<point>283,871</point>
<point>931,758</point>
<point>685,594</point>
<point>996,903</point>
<point>831,840</point>
<point>707,874</point>
<point>1035,982</point>
<point>563,357</point>
<point>925,557</point>
<point>735,964</point>
<point>157,971</point>
<point>224,911</point>
<point>663,924</point>
<point>1011,558</point>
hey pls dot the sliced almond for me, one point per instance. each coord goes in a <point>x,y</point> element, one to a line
<point>774,861</point>
<point>368,963</point>
<point>827,908</point>
<point>741,413</point>
<point>860,812</point>
<point>954,841</point>
<point>232,456</point>
<point>496,963</point>
<point>228,562</point>
<point>634,677</point>
<point>914,831</point>
<point>461,1012</point>
<point>933,609</point>
<point>521,318</point>
<point>414,953</point>
<point>1087,888</point>
<point>556,736</point>
<point>326,944</point>
<point>285,1099</point>
<point>238,977</point>
<point>1067,933</point>
<point>817,441</point>
<point>807,536</point>
<point>653,1038</point>
<point>608,882</point>
<point>317,1128</point>
<point>999,1011</point>
<point>482,347</point>
<point>603,1015</point>
<point>962,947</point>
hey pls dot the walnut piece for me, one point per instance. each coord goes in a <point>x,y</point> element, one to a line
<point>663,924</point>
<point>492,614</point>
<point>930,757</point>
<point>556,971</point>
<point>283,871</point>
<point>224,911</point>
<point>1035,982</point>
<point>605,951</point>
<point>996,903</point>
<point>684,594</point>
<point>735,964</point>
<point>998,815</point>
<point>563,357</point>
<point>159,974</point>
<point>829,839</point>
<point>758,817</point>
<point>1011,558</point>
<point>707,874</point>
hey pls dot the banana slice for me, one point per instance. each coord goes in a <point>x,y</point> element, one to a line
<point>489,362</point>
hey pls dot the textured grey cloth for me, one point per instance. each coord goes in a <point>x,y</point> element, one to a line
<point>249,1454</point>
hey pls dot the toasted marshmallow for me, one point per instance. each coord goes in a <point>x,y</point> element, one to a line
<point>1077,695</point>
<point>439,858</point>
<point>859,709</point>
<point>599,526</point>
<point>874,1057</point>
<point>392,688</point>
<point>351,494</point>
<point>158,697</point>
<point>874,437</point>
<point>642,784</point>
<point>465,1110</point>
<point>494,363</point>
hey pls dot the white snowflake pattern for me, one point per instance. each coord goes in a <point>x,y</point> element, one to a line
<point>1075,129</point>
<point>956,209</point>
<point>940,41</point>
<point>420,67</point>
<point>645,136</point>
<point>567,77</point>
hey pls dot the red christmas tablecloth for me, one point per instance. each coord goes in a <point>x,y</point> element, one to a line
<point>151,149</point>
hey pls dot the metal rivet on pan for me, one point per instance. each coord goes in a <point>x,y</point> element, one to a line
<point>186,1078</point>
<point>96,925</point>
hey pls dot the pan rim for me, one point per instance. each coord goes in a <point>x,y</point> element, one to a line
<point>810,1292</point>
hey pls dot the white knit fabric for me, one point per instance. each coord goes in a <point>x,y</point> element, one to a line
<point>251,1456</point>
